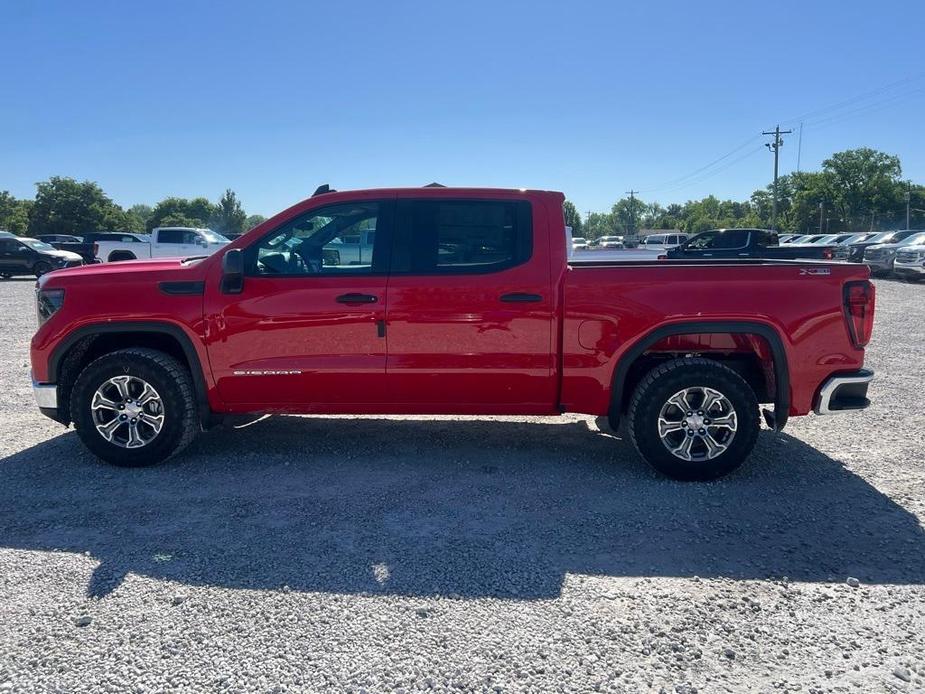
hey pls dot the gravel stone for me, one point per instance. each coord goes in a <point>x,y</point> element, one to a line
<point>464,554</point>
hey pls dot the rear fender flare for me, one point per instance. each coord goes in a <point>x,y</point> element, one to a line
<point>778,356</point>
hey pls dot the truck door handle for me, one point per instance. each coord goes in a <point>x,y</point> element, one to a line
<point>520,298</point>
<point>354,298</point>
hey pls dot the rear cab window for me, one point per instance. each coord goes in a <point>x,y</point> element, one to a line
<point>719,240</point>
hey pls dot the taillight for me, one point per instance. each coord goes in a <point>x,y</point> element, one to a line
<point>860,298</point>
<point>96,249</point>
<point>827,253</point>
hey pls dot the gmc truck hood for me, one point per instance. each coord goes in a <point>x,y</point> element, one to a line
<point>114,270</point>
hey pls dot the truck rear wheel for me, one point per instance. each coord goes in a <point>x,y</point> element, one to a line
<point>693,419</point>
<point>134,407</point>
<point>117,256</point>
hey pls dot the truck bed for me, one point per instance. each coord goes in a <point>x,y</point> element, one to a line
<point>610,307</point>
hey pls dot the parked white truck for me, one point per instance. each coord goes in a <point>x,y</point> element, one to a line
<point>163,242</point>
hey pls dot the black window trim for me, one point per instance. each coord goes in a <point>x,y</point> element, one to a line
<point>382,243</point>
<point>403,235</point>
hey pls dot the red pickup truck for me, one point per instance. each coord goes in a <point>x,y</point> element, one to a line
<point>467,304</point>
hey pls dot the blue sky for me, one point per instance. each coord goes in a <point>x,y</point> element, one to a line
<point>591,98</point>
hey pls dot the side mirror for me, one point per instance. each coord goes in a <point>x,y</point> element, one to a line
<point>233,272</point>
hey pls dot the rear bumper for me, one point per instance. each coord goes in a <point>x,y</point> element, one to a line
<point>844,393</point>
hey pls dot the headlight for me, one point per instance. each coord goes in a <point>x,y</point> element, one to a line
<point>47,301</point>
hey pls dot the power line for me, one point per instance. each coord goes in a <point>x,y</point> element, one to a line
<point>750,153</point>
<point>693,173</point>
<point>854,99</point>
<point>867,108</point>
<point>821,117</point>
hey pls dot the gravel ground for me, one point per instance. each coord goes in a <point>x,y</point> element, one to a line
<point>493,554</point>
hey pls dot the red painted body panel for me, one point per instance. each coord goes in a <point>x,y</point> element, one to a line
<point>623,304</point>
<point>315,349</point>
<point>450,345</point>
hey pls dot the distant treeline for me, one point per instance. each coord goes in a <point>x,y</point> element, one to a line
<point>66,206</point>
<point>857,190</point>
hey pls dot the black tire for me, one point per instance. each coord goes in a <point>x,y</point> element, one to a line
<point>41,268</point>
<point>117,256</point>
<point>172,382</point>
<point>672,377</point>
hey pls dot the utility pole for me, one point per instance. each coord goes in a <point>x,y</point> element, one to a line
<point>821,207</point>
<point>775,148</point>
<point>632,229</point>
<point>908,202</point>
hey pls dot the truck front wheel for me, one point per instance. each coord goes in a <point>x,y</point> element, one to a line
<point>693,419</point>
<point>134,407</point>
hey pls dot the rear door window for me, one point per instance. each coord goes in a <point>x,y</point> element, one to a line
<point>461,236</point>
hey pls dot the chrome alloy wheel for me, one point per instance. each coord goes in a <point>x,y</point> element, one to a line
<point>697,423</point>
<point>127,411</point>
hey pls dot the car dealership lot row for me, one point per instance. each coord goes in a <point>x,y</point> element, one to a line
<point>378,553</point>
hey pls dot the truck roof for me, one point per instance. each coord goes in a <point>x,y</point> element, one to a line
<point>439,191</point>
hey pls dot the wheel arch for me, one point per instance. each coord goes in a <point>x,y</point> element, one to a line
<point>781,395</point>
<point>88,342</point>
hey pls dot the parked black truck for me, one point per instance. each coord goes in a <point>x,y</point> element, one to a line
<point>746,243</point>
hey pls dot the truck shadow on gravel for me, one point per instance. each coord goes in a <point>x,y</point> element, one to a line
<point>456,508</point>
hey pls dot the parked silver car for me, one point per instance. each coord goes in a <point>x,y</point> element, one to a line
<point>610,242</point>
<point>881,256</point>
<point>909,262</point>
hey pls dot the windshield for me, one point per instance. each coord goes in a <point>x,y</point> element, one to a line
<point>578,239</point>
<point>37,245</point>
<point>883,237</point>
<point>914,240</point>
<point>213,237</point>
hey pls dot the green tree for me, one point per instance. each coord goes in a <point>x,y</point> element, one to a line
<point>253,220</point>
<point>864,183</point>
<point>228,216</point>
<point>14,214</point>
<point>178,219</point>
<point>599,224</point>
<point>197,212</point>
<point>137,215</point>
<point>572,217</point>
<point>66,206</point>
